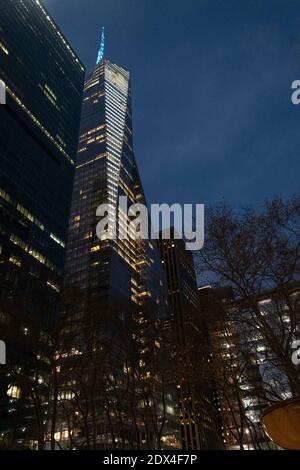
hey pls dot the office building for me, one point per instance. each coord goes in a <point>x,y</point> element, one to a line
<point>115,297</point>
<point>247,373</point>
<point>198,414</point>
<point>39,127</point>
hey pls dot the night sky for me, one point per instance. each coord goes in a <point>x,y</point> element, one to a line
<point>211,88</point>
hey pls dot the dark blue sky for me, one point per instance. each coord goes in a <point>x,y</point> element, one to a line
<point>211,86</point>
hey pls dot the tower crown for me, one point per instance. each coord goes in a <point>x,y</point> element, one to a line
<point>102,45</point>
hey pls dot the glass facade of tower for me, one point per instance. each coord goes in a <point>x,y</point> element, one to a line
<point>39,127</point>
<point>115,298</point>
<point>105,170</point>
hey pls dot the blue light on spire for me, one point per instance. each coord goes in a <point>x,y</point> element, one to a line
<point>101,50</point>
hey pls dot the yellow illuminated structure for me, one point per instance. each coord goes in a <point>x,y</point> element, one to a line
<point>282,423</point>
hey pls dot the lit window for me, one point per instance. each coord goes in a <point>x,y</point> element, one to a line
<point>14,391</point>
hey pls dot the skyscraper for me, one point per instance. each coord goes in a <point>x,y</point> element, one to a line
<point>38,139</point>
<point>115,297</point>
<point>198,417</point>
<point>246,374</point>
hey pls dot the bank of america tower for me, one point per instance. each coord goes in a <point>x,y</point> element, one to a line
<point>106,169</point>
<point>115,288</point>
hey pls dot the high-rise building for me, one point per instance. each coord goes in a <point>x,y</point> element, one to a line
<point>213,302</point>
<point>248,378</point>
<point>115,297</point>
<point>199,419</point>
<point>105,170</point>
<point>38,140</point>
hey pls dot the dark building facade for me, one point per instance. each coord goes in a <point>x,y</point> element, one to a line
<point>199,419</point>
<point>38,140</point>
<point>115,298</point>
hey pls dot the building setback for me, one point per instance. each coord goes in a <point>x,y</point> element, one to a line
<point>38,140</point>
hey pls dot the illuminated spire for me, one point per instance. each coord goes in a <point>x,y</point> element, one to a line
<point>101,50</point>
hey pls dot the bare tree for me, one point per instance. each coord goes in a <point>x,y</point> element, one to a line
<point>257,256</point>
